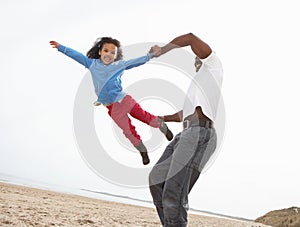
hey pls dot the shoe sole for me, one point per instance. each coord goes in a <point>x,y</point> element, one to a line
<point>145,158</point>
<point>169,135</point>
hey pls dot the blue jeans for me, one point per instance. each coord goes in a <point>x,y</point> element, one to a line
<point>176,172</point>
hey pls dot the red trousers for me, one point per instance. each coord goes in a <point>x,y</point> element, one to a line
<point>119,111</point>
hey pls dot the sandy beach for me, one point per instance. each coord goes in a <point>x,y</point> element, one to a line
<point>25,206</point>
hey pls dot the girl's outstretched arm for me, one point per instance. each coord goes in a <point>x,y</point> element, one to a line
<point>79,57</point>
<point>154,51</point>
<point>137,61</point>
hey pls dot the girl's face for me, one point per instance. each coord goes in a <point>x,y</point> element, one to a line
<point>108,53</point>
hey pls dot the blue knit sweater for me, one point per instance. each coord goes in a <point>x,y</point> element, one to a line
<point>106,78</point>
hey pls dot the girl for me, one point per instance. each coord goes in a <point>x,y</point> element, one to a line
<point>104,60</point>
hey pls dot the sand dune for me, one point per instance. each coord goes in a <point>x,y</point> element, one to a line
<point>288,217</point>
<point>24,206</point>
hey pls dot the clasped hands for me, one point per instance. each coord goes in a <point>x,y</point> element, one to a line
<point>156,51</point>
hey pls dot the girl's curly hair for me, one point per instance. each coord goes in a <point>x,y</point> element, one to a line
<point>98,45</point>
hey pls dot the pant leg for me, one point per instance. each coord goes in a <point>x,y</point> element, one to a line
<point>175,192</point>
<point>119,113</point>
<point>140,114</point>
<point>158,176</point>
<point>194,177</point>
<point>182,175</point>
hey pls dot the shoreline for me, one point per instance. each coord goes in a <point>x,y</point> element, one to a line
<point>23,206</point>
<point>9,179</point>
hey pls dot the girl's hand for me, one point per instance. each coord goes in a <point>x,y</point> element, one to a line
<point>54,44</point>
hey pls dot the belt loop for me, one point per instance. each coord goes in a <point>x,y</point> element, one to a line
<point>186,124</point>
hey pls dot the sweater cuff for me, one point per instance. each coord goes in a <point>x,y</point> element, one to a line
<point>150,55</point>
<point>62,48</point>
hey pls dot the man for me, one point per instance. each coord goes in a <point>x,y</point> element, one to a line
<point>179,167</point>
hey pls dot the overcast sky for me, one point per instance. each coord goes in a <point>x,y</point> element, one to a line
<point>258,42</point>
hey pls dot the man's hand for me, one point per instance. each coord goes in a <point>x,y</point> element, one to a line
<point>54,44</point>
<point>161,118</point>
<point>155,51</point>
<point>197,63</point>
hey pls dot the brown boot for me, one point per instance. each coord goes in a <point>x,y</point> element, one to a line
<point>143,151</point>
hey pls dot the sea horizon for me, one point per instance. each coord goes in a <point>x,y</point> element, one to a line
<point>101,195</point>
